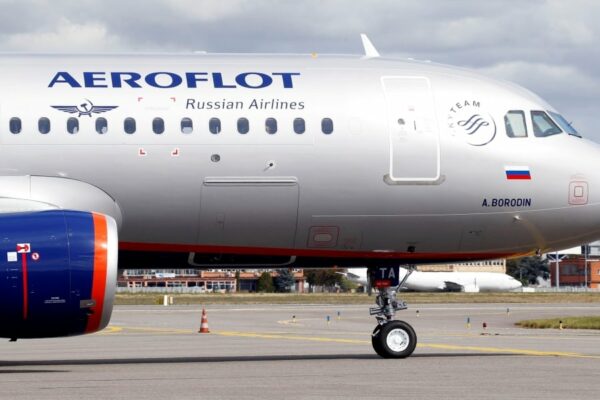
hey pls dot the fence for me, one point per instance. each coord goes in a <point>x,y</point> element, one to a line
<point>175,290</point>
<point>562,289</point>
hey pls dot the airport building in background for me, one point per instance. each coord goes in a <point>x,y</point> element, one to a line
<point>572,266</point>
<point>571,272</point>
<point>204,281</point>
<point>474,266</point>
<point>224,280</point>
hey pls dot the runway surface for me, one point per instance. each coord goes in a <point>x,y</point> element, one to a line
<point>259,352</point>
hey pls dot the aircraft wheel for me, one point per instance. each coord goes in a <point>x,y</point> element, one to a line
<point>375,341</point>
<point>394,339</point>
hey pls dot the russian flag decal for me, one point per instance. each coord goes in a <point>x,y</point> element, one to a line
<point>517,173</point>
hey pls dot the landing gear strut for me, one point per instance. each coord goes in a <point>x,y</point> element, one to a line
<point>391,338</point>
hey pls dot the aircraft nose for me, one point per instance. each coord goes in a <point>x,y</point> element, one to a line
<point>515,284</point>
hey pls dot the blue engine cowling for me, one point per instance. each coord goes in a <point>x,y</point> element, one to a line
<point>58,272</point>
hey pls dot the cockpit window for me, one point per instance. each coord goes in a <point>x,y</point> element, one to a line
<point>514,121</point>
<point>543,125</point>
<point>564,124</point>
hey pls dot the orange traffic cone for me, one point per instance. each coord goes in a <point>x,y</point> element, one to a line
<point>204,323</point>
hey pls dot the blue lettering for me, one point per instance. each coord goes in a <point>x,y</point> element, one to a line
<point>286,77</point>
<point>94,79</point>
<point>507,202</point>
<point>266,80</point>
<point>168,80</point>
<point>64,77</point>
<point>192,78</point>
<point>152,80</point>
<point>218,81</point>
<point>130,78</point>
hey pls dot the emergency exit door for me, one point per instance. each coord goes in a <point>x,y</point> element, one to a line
<point>413,131</point>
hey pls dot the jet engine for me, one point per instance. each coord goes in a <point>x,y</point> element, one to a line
<point>58,272</point>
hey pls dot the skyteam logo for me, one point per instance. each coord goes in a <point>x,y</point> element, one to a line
<point>87,108</point>
<point>467,120</point>
<point>473,124</point>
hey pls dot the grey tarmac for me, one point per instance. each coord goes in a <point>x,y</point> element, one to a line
<point>263,352</point>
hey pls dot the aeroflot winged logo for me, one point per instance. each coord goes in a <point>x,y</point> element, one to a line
<point>85,108</point>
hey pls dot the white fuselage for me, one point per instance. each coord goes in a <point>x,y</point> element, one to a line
<point>446,281</point>
<point>376,159</point>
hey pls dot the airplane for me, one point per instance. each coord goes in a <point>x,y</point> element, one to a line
<point>233,160</point>
<point>421,281</point>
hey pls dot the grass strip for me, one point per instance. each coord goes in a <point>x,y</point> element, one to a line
<point>567,323</point>
<point>357,298</point>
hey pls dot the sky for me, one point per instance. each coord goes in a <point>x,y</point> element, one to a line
<point>550,47</point>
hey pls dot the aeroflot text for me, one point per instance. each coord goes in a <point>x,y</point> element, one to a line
<point>168,80</point>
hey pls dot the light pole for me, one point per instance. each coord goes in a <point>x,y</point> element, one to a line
<point>585,266</point>
<point>557,275</point>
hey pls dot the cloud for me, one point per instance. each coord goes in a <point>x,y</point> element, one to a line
<point>570,90</point>
<point>65,37</point>
<point>549,80</point>
<point>549,46</point>
<point>210,10</point>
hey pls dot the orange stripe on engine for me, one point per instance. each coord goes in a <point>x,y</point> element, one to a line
<point>100,271</point>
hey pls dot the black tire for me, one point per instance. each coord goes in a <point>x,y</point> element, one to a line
<point>403,334</point>
<point>375,341</point>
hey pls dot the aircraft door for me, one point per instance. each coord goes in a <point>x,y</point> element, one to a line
<point>248,212</point>
<point>413,131</point>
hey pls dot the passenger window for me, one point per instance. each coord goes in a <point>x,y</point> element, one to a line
<point>515,124</point>
<point>187,126</point>
<point>327,126</point>
<point>158,126</point>
<point>271,126</point>
<point>44,125</point>
<point>214,126</point>
<point>15,125</point>
<point>243,126</point>
<point>101,126</point>
<point>72,125</point>
<point>299,126</point>
<point>129,126</point>
<point>543,125</point>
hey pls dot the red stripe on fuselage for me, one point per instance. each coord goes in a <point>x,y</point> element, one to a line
<point>25,286</point>
<point>188,248</point>
<point>100,271</point>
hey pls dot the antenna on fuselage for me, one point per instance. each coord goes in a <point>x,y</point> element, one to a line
<point>370,50</point>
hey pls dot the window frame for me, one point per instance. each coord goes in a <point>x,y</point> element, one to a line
<point>214,125</point>
<point>325,121</point>
<point>294,124</point>
<point>274,127</point>
<point>547,118</point>
<point>524,116</point>
<point>243,125</point>
<point>97,125</point>
<point>563,123</point>
<point>133,123</point>
<point>18,121</point>
<point>42,120</point>
<point>158,125</point>
<point>182,127</point>
<point>72,129</point>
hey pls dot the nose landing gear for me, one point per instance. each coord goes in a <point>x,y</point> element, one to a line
<point>391,338</point>
<point>394,339</point>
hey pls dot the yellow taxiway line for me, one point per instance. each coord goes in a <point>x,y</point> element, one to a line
<point>278,336</point>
